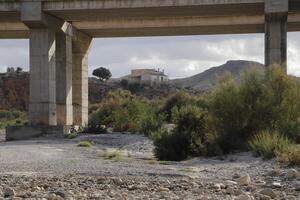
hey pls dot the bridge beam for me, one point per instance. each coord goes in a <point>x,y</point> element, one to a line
<point>276,14</point>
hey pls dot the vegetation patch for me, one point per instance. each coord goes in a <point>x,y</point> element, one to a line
<point>12,118</point>
<point>269,144</point>
<point>86,143</point>
<point>111,155</point>
<point>290,155</point>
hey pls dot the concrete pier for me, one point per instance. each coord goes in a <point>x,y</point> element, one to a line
<point>64,99</point>
<point>81,46</point>
<point>42,108</point>
<point>276,14</point>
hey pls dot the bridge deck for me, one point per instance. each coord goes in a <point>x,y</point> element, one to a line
<point>120,18</point>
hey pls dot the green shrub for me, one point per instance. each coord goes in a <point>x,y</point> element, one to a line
<point>12,118</point>
<point>114,155</point>
<point>5,114</point>
<point>121,110</point>
<point>268,144</point>
<point>178,100</point>
<point>71,136</point>
<point>192,136</point>
<point>152,123</point>
<point>86,143</point>
<point>290,155</point>
<point>259,102</point>
<point>170,146</point>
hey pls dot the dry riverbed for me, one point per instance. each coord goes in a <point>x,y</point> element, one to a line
<point>122,166</point>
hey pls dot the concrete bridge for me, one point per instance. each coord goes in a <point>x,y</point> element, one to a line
<point>61,32</point>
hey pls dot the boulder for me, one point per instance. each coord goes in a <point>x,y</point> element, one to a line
<point>244,180</point>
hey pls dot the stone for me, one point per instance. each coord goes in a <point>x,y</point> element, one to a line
<point>217,186</point>
<point>236,176</point>
<point>9,192</point>
<point>268,192</point>
<point>292,174</point>
<point>244,180</point>
<point>229,190</point>
<point>276,185</point>
<point>230,183</point>
<point>244,197</point>
<point>290,197</point>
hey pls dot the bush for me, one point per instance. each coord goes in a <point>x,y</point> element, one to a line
<point>86,143</point>
<point>259,102</point>
<point>114,155</point>
<point>12,118</point>
<point>290,155</point>
<point>5,114</point>
<point>178,100</point>
<point>268,144</point>
<point>152,123</point>
<point>170,146</point>
<point>121,110</point>
<point>192,136</point>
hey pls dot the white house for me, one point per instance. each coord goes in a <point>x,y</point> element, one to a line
<point>149,76</point>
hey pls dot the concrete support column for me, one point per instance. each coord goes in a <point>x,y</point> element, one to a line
<point>276,12</point>
<point>81,46</point>
<point>64,100</point>
<point>42,107</point>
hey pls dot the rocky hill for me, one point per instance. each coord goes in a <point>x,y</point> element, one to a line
<point>209,78</point>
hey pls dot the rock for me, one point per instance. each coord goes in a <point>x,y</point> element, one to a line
<point>268,192</point>
<point>163,189</point>
<point>230,190</point>
<point>244,180</point>
<point>244,197</point>
<point>236,176</point>
<point>276,185</point>
<point>292,174</point>
<point>217,186</point>
<point>9,192</point>
<point>230,183</point>
<point>265,197</point>
<point>51,196</point>
<point>290,197</point>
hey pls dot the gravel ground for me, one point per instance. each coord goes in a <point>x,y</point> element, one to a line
<point>58,169</point>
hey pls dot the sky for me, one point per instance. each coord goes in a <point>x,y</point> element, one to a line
<point>179,56</point>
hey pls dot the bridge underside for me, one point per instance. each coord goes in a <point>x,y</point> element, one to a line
<point>60,34</point>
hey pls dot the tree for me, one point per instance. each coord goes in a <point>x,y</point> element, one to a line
<point>19,70</point>
<point>102,73</point>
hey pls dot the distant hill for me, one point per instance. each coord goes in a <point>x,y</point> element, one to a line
<point>208,79</point>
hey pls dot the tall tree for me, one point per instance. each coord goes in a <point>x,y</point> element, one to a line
<point>102,73</point>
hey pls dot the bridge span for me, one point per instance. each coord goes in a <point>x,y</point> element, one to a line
<point>61,31</point>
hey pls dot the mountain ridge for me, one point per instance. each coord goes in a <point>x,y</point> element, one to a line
<point>207,79</point>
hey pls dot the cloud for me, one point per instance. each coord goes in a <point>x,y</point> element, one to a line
<point>179,56</point>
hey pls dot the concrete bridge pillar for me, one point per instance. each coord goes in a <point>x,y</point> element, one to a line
<point>64,100</point>
<point>42,107</point>
<point>81,46</point>
<point>276,13</point>
<point>50,67</point>
<point>42,45</point>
